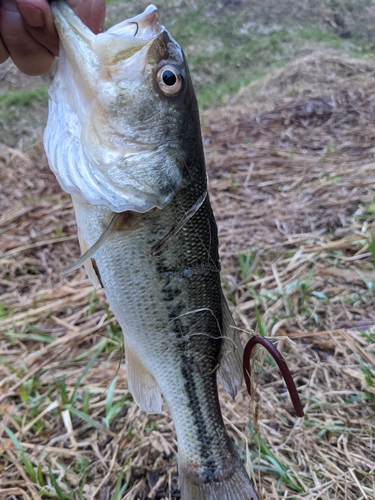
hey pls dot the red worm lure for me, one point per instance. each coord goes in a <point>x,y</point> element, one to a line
<point>281,363</point>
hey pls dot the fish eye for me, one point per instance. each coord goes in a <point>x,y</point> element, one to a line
<point>169,80</point>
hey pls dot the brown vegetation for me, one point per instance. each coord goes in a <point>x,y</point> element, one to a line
<point>291,181</point>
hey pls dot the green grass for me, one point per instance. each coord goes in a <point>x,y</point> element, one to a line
<point>25,113</point>
<point>3,311</point>
<point>277,465</point>
<point>113,409</point>
<point>245,59</point>
<point>227,50</point>
<point>24,97</point>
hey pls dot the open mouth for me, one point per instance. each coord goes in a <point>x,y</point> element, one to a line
<point>145,25</point>
<point>116,44</point>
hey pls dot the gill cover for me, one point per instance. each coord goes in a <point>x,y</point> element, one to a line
<point>103,109</point>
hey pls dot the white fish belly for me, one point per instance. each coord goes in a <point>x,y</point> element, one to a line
<point>135,292</point>
<point>175,333</point>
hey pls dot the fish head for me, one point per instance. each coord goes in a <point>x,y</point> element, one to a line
<point>119,108</point>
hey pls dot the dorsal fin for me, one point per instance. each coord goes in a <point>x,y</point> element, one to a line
<point>141,383</point>
<point>230,371</point>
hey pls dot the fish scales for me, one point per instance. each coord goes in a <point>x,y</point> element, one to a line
<point>157,297</point>
<point>158,262</point>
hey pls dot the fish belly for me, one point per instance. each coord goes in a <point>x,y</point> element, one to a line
<point>171,319</point>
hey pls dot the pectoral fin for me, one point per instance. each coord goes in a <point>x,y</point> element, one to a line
<point>141,383</point>
<point>90,252</point>
<point>230,371</point>
<point>92,274</point>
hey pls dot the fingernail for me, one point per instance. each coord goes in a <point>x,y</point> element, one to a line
<point>32,15</point>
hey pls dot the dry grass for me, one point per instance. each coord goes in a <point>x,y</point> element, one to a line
<point>292,191</point>
<point>319,72</point>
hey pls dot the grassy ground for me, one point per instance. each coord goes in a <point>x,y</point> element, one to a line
<point>228,45</point>
<point>291,165</point>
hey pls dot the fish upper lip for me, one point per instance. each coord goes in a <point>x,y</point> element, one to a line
<point>146,25</point>
<point>114,50</point>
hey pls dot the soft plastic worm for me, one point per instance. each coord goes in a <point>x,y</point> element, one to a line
<point>281,363</point>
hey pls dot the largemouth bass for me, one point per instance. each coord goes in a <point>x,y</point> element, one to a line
<point>123,138</point>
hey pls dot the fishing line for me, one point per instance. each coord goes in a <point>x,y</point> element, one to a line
<point>184,210</point>
<point>255,339</point>
<point>212,337</point>
<point>221,336</point>
<point>157,249</point>
<point>202,309</point>
<point>196,233</point>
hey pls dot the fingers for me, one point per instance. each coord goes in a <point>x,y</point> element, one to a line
<point>4,54</point>
<point>91,12</point>
<point>28,54</point>
<point>38,21</point>
<point>28,33</point>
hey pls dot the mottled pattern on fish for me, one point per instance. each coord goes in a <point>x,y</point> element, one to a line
<point>168,298</point>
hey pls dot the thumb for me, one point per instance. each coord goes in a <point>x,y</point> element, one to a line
<point>91,13</point>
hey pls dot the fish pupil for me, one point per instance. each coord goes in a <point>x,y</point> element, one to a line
<point>169,78</point>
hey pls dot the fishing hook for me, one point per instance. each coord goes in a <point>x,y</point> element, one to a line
<point>136,31</point>
<point>281,363</point>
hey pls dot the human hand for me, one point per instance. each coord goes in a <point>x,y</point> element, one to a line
<point>28,34</point>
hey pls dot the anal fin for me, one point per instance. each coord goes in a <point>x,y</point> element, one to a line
<point>141,383</point>
<point>230,371</point>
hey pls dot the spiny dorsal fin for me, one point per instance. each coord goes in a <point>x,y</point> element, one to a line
<point>230,371</point>
<point>141,383</point>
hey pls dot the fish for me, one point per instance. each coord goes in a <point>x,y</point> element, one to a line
<point>123,138</point>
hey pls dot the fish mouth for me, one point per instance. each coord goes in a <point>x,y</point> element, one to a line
<point>145,25</point>
<point>89,52</point>
<point>123,40</point>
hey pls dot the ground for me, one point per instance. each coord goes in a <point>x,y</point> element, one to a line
<point>290,157</point>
